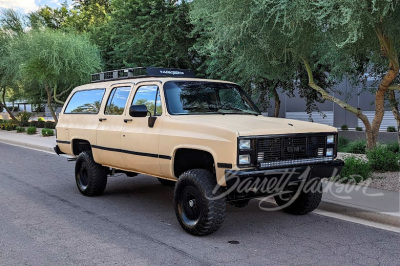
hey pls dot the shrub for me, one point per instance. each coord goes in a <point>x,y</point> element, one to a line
<point>393,147</point>
<point>8,125</point>
<point>357,146</point>
<point>23,117</point>
<point>354,170</point>
<point>20,129</point>
<point>31,130</point>
<point>46,132</point>
<point>50,124</point>
<point>33,123</point>
<point>40,124</point>
<point>359,129</point>
<point>342,144</point>
<point>344,127</point>
<point>391,129</point>
<point>40,119</point>
<point>382,159</point>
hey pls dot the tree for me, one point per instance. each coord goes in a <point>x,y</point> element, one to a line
<point>11,25</point>
<point>53,61</point>
<point>274,36</point>
<point>147,33</point>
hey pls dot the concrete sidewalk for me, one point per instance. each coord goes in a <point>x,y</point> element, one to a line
<point>375,205</point>
<point>36,141</point>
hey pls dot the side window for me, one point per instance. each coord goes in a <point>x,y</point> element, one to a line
<point>149,96</point>
<point>85,102</point>
<point>117,101</point>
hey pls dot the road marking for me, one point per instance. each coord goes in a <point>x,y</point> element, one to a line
<point>357,220</point>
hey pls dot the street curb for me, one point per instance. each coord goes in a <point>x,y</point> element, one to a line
<point>386,218</point>
<point>27,145</point>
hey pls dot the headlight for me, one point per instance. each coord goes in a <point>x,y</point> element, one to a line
<point>329,152</point>
<point>244,144</point>
<point>244,159</point>
<point>330,139</point>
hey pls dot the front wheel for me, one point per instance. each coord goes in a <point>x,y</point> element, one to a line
<point>301,202</point>
<point>90,177</point>
<point>198,209</point>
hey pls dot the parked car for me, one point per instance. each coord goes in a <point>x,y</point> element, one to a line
<point>205,137</point>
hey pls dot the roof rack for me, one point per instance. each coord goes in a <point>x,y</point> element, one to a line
<point>139,72</point>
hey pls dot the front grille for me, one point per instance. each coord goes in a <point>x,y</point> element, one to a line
<point>290,149</point>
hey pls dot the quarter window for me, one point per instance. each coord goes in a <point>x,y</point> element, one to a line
<point>117,101</point>
<point>85,102</point>
<point>149,96</point>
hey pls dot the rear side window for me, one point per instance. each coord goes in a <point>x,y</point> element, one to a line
<point>149,96</point>
<point>85,102</point>
<point>117,101</point>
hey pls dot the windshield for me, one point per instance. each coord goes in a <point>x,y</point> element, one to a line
<point>194,97</point>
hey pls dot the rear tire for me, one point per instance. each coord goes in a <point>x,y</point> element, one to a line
<point>166,182</point>
<point>90,177</point>
<point>305,203</point>
<point>197,212</point>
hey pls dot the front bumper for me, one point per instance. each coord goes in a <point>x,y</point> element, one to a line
<point>279,177</point>
<point>57,150</point>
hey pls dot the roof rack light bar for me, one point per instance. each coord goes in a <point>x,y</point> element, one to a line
<point>138,72</point>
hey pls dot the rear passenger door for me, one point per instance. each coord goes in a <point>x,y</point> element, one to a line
<point>110,126</point>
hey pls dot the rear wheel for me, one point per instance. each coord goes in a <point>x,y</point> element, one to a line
<point>305,202</point>
<point>90,177</point>
<point>198,209</point>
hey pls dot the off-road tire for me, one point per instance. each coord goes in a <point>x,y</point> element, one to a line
<point>166,182</point>
<point>90,177</point>
<point>305,202</point>
<point>240,203</point>
<point>206,214</point>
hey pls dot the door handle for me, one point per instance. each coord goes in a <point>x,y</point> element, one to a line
<point>102,119</point>
<point>127,120</point>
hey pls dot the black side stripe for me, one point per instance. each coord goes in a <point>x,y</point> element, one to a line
<point>63,142</point>
<point>133,152</point>
<point>224,165</point>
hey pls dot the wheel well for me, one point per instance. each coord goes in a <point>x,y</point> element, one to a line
<point>80,145</point>
<point>187,159</point>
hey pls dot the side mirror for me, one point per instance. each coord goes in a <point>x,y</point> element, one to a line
<point>138,110</point>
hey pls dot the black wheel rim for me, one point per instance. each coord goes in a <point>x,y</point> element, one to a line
<point>190,206</point>
<point>83,177</point>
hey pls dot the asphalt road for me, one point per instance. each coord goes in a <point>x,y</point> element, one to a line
<point>44,220</point>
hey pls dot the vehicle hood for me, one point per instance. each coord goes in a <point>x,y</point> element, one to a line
<point>251,125</point>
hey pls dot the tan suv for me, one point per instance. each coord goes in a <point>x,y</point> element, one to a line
<point>205,137</point>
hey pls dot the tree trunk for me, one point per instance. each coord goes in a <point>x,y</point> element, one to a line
<point>3,103</point>
<point>395,109</point>
<point>370,134</point>
<point>277,101</point>
<point>49,97</point>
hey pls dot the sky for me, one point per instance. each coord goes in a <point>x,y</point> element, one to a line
<point>26,6</point>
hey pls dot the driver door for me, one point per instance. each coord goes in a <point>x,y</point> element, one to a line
<point>138,137</point>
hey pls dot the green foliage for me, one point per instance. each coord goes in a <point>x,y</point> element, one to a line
<point>342,144</point>
<point>8,125</point>
<point>344,127</point>
<point>47,132</point>
<point>354,171</point>
<point>382,159</point>
<point>54,61</point>
<point>147,33</point>
<point>391,129</point>
<point>40,119</point>
<point>359,129</point>
<point>23,118</point>
<point>33,123</point>
<point>20,129</point>
<point>358,147</point>
<point>31,130</point>
<point>50,124</point>
<point>393,147</point>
